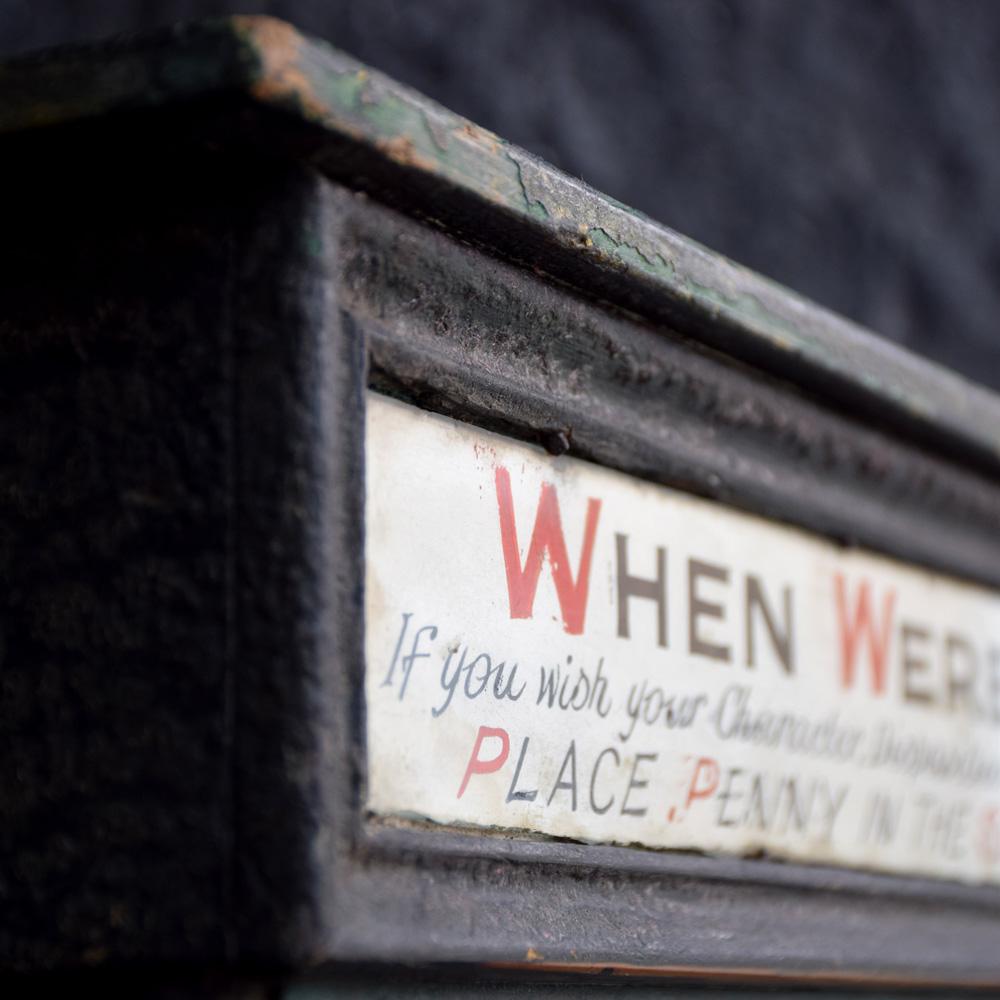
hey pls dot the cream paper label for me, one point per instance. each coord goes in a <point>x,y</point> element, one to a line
<point>556,647</point>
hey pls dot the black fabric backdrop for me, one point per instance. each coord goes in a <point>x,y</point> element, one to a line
<point>848,148</point>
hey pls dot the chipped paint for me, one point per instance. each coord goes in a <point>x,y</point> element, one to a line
<point>629,253</point>
<point>645,266</point>
<point>535,206</point>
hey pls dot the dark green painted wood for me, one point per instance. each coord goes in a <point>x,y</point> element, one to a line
<point>590,240</point>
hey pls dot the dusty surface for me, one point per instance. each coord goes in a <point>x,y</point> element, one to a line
<point>849,151</point>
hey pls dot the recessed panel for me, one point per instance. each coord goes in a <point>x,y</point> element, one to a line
<point>558,648</point>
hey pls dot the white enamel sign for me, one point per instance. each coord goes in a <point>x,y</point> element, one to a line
<point>556,647</point>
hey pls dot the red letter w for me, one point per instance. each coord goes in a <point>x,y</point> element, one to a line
<point>522,582</point>
<point>862,623</point>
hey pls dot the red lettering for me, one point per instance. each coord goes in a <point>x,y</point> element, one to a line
<point>989,836</point>
<point>862,624</point>
<point>547,537</point>
<point>479,766</point>
<point>709,770</point>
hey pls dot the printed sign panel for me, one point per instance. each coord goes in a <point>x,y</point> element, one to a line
<point>556,647</point>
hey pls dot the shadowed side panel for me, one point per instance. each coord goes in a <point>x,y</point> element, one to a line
<point>114,420</point>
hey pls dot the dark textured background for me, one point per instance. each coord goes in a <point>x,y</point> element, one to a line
<point>848,148</point>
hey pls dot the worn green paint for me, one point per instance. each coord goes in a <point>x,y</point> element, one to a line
<point>660,272</point>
